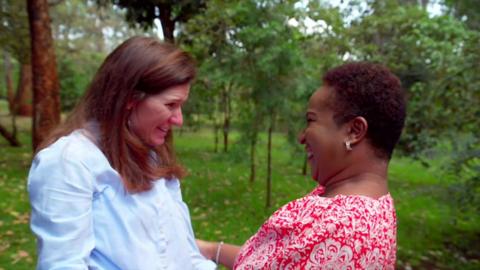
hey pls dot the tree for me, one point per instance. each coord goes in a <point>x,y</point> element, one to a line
<point>435,79</point>
<point>169,12</point>
<point>15,40</point>
<point>467,10</point>
<point>46,99</point>
<point>437,59</point>
<point>8,79</point>
<point>206,37</point>
<point>84,34</point>
<point>9,136</point>
<point>258,53</point>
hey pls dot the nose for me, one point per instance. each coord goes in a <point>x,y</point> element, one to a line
<point>301,137</point>
<point>177,117</point>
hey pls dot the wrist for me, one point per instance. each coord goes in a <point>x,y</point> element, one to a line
<point>212,250</point>
<point>218,252</point>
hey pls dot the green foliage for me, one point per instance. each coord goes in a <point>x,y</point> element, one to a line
<point>14,29</point>
<point>145,12</point>
<point>274,66</point>
<point>435,58</point>
<point>466,165</point>
<point>75,75</point>
<point>82,45</point>
<point>466,10</point>
<point>17,245</point>
<point>250,47</point>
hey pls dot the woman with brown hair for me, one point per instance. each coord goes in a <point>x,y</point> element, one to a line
<point>353,123</point>
<point>104,187</point>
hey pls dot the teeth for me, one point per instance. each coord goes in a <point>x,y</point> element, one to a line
<point>309,152</point>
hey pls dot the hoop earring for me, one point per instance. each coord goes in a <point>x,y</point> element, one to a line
<point>348,145</point>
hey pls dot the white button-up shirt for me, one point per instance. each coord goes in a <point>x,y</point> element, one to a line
<point>84,218</point>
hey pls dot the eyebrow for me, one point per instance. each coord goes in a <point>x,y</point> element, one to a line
<point>177,100</point>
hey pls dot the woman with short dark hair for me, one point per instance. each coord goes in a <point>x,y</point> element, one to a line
<point>353,123</point>
<point>104,186</point>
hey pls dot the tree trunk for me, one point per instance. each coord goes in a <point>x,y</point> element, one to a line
<point>226,117</point>
<point>253,146</point>
<point>216,127</point>
<point>269,166</point>
<point>46,87</point>
<point>14,126</point>
<point>11,138</point>
<point>100,40</point>
<point>8,81</point>
<point>226,126</point>
<point>23,98</point>
<point>168,25</point>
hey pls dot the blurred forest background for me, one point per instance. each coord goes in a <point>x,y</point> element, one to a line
<point>259,61</point>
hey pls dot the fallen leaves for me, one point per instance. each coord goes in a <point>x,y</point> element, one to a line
<point>20,255</point>
<point>23,218</point>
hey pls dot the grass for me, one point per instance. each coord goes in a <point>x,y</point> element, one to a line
<point>17,246</point>
<point>224,205</point>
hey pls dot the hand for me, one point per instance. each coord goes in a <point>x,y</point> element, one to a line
<point>207,249</point>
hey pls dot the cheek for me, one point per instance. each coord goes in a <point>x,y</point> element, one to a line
<point>147,118</point>
<point>163,116</point>
<point>316,140</point>
<point>324,145</point>
<point>153,115</point>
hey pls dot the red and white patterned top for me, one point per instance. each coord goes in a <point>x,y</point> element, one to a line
<point>314,232</point>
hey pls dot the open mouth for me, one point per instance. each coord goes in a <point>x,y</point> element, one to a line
<point>163,129</point>
<point>309,152</point>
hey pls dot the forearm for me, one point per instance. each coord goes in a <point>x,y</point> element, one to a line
<point>227,255</point>
<point>219,252</point>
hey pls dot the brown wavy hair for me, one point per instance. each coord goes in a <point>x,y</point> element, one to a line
<point>139,67</point>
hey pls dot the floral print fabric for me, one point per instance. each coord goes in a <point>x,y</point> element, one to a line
<point>314,232</point>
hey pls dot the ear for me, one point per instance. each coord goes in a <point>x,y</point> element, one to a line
<point>357,130</point>
<point>130,105</point>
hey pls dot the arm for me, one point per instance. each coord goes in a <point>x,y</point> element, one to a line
<point>227,253</point>
<point>198,261</point>
<point>61,199</point>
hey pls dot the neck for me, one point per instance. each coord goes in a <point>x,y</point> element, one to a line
<point>356,180</point>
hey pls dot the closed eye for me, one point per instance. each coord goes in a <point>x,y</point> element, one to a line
<point>171,105</point>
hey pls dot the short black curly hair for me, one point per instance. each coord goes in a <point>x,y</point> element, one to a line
<point>373,92</point>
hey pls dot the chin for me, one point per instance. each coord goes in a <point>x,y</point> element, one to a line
<point>157,142</point>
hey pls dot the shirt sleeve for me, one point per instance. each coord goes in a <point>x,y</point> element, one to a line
<point>198,261</point>
<point>61,194</point>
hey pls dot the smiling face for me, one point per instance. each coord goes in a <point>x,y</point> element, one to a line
<point>151,118</point>
<point>323,139</point>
